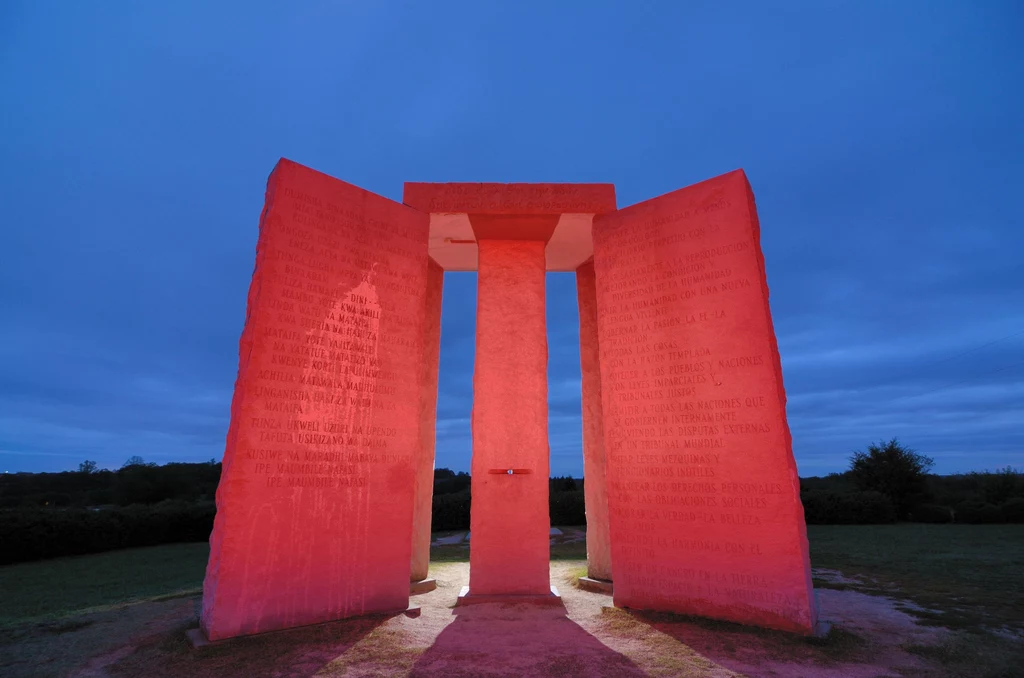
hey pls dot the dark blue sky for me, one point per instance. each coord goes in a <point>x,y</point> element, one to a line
<point>884,142</point>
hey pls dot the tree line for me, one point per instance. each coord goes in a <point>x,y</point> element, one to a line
<point>44,515</point>
<point>142,482</point>
<point>889,482</point>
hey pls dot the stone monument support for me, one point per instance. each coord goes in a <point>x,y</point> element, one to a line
<point>424,488</point>
<point>599,557</point>
<point>314,505</point>
<point>703,494</point>
<point>511,234</point>
<point>509,520</point>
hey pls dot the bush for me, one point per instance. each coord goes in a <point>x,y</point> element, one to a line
<point>1013,510</point>
<point>563,484</point>
<point>847,508</point>
<point>931,513</point>
<point>567,508</point>
<point>896,471</point>
<point>33,534</point>
<point>450,511</point>
<point>1002,485</point>
<point>978,513</point>
<point>138,483</point>
<point>447,481</point>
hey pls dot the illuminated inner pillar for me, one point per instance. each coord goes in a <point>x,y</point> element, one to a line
<point>595,488</point>
<point>509,518</point>
<point>424,460</point>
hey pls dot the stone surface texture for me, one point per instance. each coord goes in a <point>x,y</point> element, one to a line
<point>704,501</point>
<point>461,214</point>
<point>509,517</point>
<point>424,488</point>
<point>595,489</point>
<point>510,199</point>
<point>324,503</point>
<point>315,502</point>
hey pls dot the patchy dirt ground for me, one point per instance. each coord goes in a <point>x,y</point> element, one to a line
<point>586,638</point>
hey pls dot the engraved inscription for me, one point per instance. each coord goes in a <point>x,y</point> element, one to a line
<point>692,409</point>
<point>333,280</point>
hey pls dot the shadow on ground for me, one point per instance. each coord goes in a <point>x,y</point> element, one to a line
<point>502,640</point>
<point>295,652</point>
<point>873,637</point>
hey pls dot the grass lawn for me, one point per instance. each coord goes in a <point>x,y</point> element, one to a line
<point>971,576</point>
<point>50,589</point>
<point>459,553</point>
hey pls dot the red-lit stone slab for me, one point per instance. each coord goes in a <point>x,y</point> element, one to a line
<point>509,516</point>
<point>424,489</point>
<point>521,199</point>
<point>704,504</point>
<point>314,506</point>
<point>513,226</point>
<point>595,487</point>
<point>461,214</point>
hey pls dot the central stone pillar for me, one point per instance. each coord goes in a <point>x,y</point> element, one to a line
<point>509,521</point>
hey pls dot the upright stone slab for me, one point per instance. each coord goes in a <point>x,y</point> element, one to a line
<point>512,234</point>
<point>595,485</point>
<point>424,490</point>
<point>704,499</point>
<point>509,518</point>
<point>314,506</point>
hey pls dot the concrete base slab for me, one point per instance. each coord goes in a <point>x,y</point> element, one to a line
<point>422,586</point>
<point>596,585</point>
<point>198,639</point>
<point>467,598</point>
